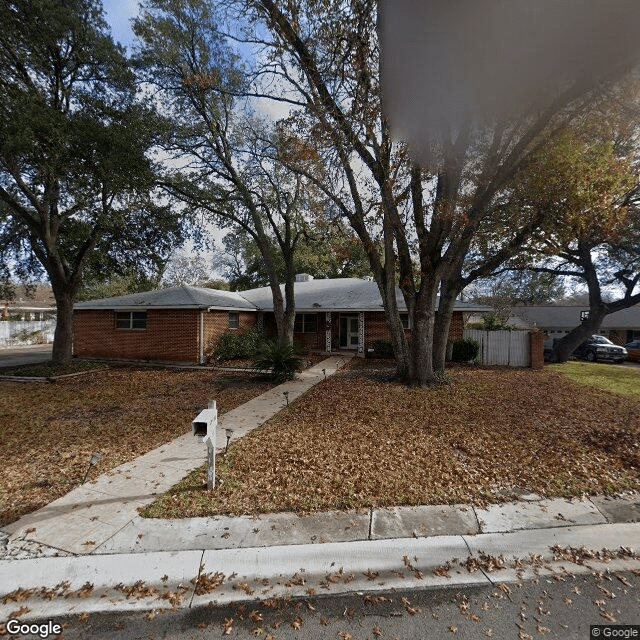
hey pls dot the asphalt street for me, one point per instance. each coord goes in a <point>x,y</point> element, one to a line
<point>15,356</point>
<point>564,608</point>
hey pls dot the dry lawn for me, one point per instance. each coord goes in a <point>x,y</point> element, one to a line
<point>48,432</point>
<point>357,440</point>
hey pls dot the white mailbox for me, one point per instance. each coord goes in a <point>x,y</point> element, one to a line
<point>204,428</point>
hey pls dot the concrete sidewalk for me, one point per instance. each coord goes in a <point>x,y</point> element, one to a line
<point>51,587</point>
<point>83,520</point>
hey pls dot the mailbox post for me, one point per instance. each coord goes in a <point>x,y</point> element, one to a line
<point>204,428</point>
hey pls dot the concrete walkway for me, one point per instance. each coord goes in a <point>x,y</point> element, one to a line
<point>87,517</point>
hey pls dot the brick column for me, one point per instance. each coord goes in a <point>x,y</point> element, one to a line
<point>536,340</point>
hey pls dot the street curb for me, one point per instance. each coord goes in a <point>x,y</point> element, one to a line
<point>60,586</point>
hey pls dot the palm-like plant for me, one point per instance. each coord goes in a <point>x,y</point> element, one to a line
<point>282,359</point>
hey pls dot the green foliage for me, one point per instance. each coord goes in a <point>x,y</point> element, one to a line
<point>29,337</point>
<point>491,322</point>
<point>465,350</point>
<point>282,359</point>
<point>94,288</point>
<point>383,349</point>
<point>331,250</point>
<point>233,345</point>
<point>76,177</point>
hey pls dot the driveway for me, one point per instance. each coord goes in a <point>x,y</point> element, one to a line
<point>630,365</point>
<point>14,356</point>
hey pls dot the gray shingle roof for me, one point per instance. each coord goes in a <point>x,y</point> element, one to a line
<point>337,294</point>
<point>174,297</point>
<point>561,317</point>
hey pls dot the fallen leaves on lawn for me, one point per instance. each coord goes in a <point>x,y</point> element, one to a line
<point>552,436</point>
<point>48,432</point>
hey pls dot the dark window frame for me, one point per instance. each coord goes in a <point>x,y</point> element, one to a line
<point>234,324</point>
<point>131,320</point>
<point>306,323</point>
<point>404,318</point>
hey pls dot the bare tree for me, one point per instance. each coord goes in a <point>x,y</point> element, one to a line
<point>198,78</point>
<point>418,223</point>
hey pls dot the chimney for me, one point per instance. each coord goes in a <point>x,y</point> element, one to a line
<point>303,277</point>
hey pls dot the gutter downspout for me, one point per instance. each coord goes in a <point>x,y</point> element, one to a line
<point>201,337</point>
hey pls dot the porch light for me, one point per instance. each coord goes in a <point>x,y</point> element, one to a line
<point>286,396</point>
<point>229,432</point>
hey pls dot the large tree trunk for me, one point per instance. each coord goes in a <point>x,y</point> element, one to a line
<point>446,304</point>
<point>399,344</point>
<point>421,371</point>
<point>387,288</point>
<point>564,347</point>
<point>285,331</point>
<point>63,336</point>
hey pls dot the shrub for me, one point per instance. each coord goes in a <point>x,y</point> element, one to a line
<point>282,359</point>
<point>234,345</point>
<point>492,323</point>
<point>383,349</point>
<point>465,350</point>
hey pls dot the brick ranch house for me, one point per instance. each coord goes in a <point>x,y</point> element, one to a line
<point>184,324</point>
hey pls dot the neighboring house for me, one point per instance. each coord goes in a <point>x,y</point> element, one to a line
<point>184,323</point>
<point>35,303</point>
<point>555,321</point>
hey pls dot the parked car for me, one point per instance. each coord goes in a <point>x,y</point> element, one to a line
<point>600,348</point>
<point>633,350</point>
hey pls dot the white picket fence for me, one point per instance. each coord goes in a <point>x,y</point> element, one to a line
<point>507,348</point>
<point>19,332</point>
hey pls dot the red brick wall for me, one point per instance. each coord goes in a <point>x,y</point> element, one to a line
<point>456,328</point>
<point>216,323</point>
<point>311,341</point>
<point>171,334</point>
<point>537,349</point>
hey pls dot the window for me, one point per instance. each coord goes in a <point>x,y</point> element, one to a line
<point>404,318</point>
<point>131,320</point>
<point>234,319</point>
<point>306,323</point>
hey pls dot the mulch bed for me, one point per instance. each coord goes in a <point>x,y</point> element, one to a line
<point>359,439</point>
<point>49,432</point>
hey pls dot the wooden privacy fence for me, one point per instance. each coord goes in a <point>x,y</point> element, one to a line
<point>26,332</point>
<point>507,348</point>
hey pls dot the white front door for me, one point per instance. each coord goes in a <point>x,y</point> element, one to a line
<point>348,332</point>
